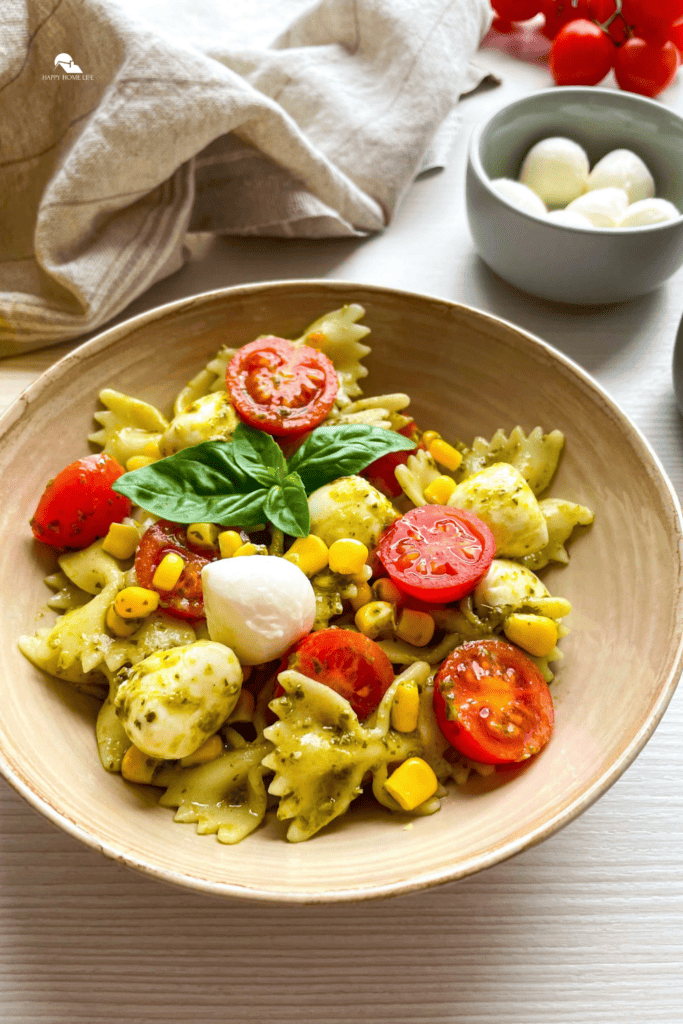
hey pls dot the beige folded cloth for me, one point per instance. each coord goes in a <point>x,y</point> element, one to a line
<point>124,124</point>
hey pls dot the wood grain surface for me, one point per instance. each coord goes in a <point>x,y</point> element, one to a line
<point>586,928</point>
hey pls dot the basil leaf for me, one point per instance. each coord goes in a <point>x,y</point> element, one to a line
<point>287,507</point>
<point>342,450</point>
<point>258,455</point>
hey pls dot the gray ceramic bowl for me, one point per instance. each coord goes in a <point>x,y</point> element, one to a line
<point>565,264</point>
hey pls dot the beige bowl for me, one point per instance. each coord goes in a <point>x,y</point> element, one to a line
<point>469,373</point>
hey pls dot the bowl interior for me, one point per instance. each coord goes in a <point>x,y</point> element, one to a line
<point>600,120</point>
<point>468,374</point>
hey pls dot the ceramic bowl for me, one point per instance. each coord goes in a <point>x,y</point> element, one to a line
<point>567,264</point>
<point>469,373</point>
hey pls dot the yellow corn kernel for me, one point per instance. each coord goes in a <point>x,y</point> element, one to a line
<point>168,571</point>
<point>375,619</point>
<point>385,590</point>
<point>138,462</point>
<point>428,436</point>
<point>348,556</point>
<point>364,596</point>
<point>406,707</point>
<point>440,490</point>
<point>416,628</point>
<point>245,549</point>
<point>536,634</point>
<point>118,626</point>
<point>412,783</point>
<point>228,542</point>
<point>243,710</point>
<point>444,453</point>
<point>209,751</point>
<point>309,553</point>
<point>135,602</point>
<point>137,766</point>
<point>152,450</point>
<point>203,535</point>
<point>121,540</point>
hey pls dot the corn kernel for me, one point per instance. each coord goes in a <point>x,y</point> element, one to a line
<point>406,707</point>
<point>168,571</point>
<point>553,607</point>
<point>440,490</point>
<point>375,619</point>
<point>137,766</point>
<point>152,450</point>
<point>364,596</point>
<point>444,453</point>
<point>209,751</point>
<point>536,634</point>
<point>135,602</point>
<point>243,710</point>
<point>385,590</point>
<point>203,535</point>
<point>428,436</point>
<point>245,549</point>
<point>121,540</point>
<point>118,626</point>
<point>309,553</point>
<point>228,542</point>
<point>412,783</point>
<point>348,556</point>
<point>415,627</point>
<point>363,576</point>
<point>138,462</point>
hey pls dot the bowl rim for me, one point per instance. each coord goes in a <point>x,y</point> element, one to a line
<point>109,337</point>
<point>477,166</point>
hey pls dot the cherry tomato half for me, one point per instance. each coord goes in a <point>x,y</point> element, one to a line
<point>437,553</point>
<point>349,663</point>
<point>79,506</point>
<point>581,54</point>
<point>381,473</point>
<point>492,703</point>
<point>646,66</point>
<point>281,388</point>
<point>186,600</point>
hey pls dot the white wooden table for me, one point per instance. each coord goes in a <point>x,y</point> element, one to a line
<point>586,928</point>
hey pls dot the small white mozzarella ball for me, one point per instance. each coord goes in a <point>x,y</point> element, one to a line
<point>500,496</point>
<point>556,169</point>
<point>507,585</point>
<point>350,507</point>
<point>210,418</point>
<point>174,700</point>
<point>604,207</point>
<point>257,604</point>
<point>520,196</point>
<point>569,219</point>
<point>648,211</point>
<point>623,169</point>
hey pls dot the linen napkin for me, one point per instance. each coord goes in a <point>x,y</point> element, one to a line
<point>125,125</point>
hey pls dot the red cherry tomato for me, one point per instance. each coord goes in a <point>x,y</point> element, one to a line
<point>186,600</point>
<point>650,19</point>
<point>381,473</point>
<point>437,553</point>
<point>581,54</point>
<point>492,703</point>
<point>349,663</point>
<point>79,506</point>
<point>676,34</point>
<point>516,10</point>
<point>558,13</point>
<point>646,66</point>
<point>281,388</point>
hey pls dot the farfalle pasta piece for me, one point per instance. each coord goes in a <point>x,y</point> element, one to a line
<point>379,411</point>
<point>91,569</point>
<point>321,751</point>
<point>338,335</point>
<point>159,632</point>
<point>419,472</point>
<point>561,517</point>
<point>208,380</point>
<point>129,425</point>
<point>210,418</point>
<point>536,456</point>
<point>112,739</point>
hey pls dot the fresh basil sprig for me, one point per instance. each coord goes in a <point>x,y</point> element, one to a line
<point>246,481</point>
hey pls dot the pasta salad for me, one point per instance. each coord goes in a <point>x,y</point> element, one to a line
<point>287,593</point>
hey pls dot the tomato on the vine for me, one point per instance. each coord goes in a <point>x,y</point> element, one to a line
<point>282,388</point>
<point>492,703</point>
<point>79,505</point>
<point>646,66</point>
<point>516,10</point>
<point>650,19</point>
<point>581,54</point>
<point>186,599</point>
<point>604,11</point>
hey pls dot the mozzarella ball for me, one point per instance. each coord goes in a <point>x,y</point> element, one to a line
<point>174,700</point>
<point>623,169</point>
<point>502,498</point>
<point>257,604</point>
<point>556,169</point>
<point>210,418</point>
<point>648,211</point>
<point>520,196</point>
<point>604,207</point>
<point>350,507</point>
<point>570,219</point>
<point>506,586</point>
